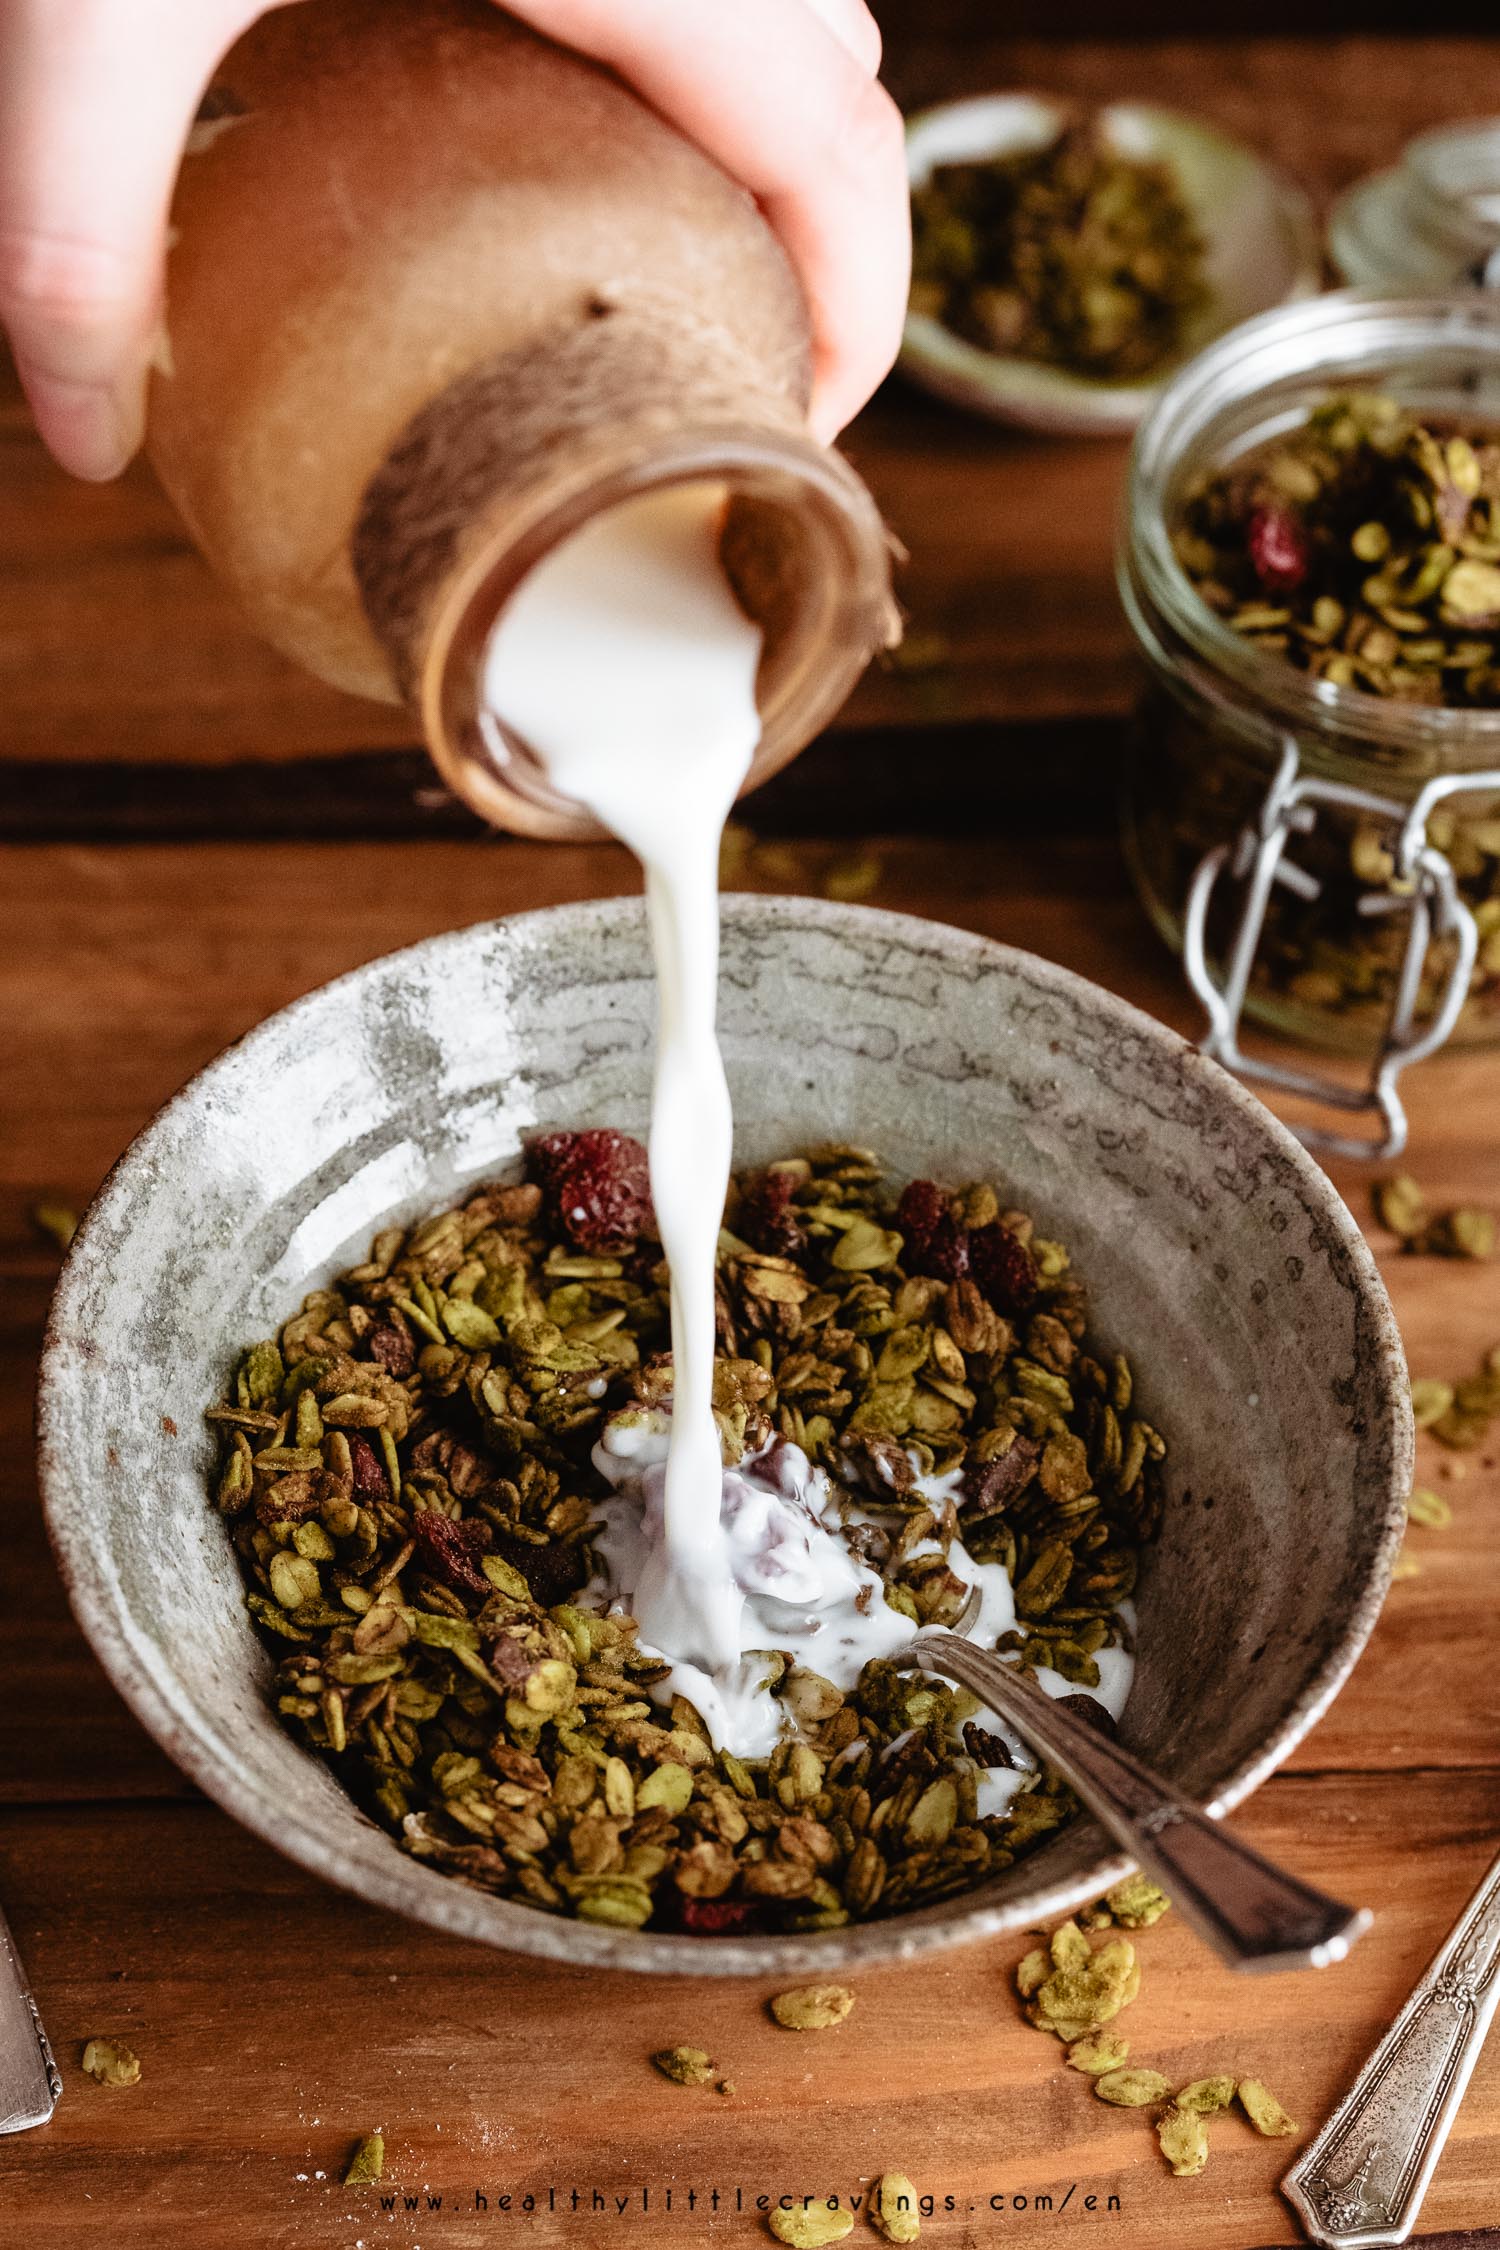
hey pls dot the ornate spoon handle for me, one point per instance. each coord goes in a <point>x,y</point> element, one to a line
<point>29,2080</point>
<point>1360,2184</point>
<point>1252,1913</point>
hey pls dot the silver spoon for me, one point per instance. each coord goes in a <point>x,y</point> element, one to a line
<point>1360,2182</point>
<point>1253,1914</point>
<point>29,2080</point>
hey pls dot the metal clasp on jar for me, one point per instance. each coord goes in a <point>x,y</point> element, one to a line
<point>1422,886</point>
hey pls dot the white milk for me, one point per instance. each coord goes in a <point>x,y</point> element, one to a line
<point>627,666</point>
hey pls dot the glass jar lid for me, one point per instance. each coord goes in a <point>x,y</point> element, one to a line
<point>1430,222</point>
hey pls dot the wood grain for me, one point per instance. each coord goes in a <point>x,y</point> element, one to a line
<point>115,643</point>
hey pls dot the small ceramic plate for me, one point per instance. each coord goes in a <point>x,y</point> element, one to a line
<point>1263,250</point>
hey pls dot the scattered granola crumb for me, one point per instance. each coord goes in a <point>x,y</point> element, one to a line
<point>1137,1902</point>
<point>367,2163</point>
<point>58,1221</point>
<point>853,878</point>
<point>685,2066</point>
<point>1462,1232</point>
<point>112,2063</point>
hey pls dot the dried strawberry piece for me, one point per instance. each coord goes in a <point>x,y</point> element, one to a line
<point>371,1483</point>
<point>721,1917</point>
<point>393,1348</point>
<point>1279,552</point>
<point>934,1242</point>
<point>596,1187</point>
<point>1003,1268</point>
<point>766,1219</point>
<point>450,1551</point>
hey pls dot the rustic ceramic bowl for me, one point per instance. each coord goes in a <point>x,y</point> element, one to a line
<point>1219,1257</point>
<point>1263,249</point>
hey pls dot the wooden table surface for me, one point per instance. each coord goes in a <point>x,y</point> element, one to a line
<point>189,837</point>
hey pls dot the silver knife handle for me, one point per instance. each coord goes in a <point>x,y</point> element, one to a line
<point>30,2082</point>
<point>1253,1913</point>
<point>1360,2183</point>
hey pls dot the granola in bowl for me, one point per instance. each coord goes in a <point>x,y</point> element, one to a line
<point>433,1476</point>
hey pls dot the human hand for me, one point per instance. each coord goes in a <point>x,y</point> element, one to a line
<point>96,97</point>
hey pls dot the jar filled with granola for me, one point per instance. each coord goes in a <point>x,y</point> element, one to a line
<point>1310,559</point>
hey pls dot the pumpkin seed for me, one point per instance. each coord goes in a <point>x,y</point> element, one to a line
<point>1263,2110</point>
<point>894,2209</point>
<point>812,2007</point>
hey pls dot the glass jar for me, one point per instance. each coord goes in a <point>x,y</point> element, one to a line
<point>1316,845</point>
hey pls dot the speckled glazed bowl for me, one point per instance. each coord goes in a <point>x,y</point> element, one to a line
<point>1219,1258</point>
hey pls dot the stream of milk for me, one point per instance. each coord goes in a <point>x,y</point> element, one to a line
<point>629,669</point>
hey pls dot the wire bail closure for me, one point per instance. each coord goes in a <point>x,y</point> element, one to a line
<point>1422,886</point>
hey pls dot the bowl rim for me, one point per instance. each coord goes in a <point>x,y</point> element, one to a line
<point>452,1906</point>
<point>1035,394</point>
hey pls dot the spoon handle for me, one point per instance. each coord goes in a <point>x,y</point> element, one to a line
<point>29,2080</point>
<point>1252,1913</point>
<point>1362,2180</point>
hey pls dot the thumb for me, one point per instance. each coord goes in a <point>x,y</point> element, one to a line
<point>95,102</point>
